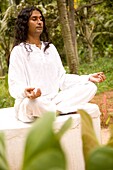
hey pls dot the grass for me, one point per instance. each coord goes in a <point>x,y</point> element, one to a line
<point>105,65</point>
<point>100,64</point>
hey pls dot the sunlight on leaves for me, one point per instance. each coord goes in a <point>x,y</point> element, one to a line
<point>110,141</point>
<point>89,139</point>
<point>3,160</point>
<point>64,128</point>
<point>100,159</point>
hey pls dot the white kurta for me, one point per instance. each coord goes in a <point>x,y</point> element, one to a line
<point>32,67</point>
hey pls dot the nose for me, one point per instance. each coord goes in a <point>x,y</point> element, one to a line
<point>39,21</point>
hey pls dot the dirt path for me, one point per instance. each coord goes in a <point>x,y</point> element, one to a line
<point>105,103</point>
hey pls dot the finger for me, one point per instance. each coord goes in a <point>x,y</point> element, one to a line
<point>31,97</point>
<point>29,89</point>
<point>102,78</point>
<point>26,93</point>
<point>100,72</point>
<point>38,93</point>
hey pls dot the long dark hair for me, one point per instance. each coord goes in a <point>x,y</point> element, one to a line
<point>21,26</point>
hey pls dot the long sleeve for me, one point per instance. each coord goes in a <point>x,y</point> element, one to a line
<point>16,77</point>
<point>37,69</point>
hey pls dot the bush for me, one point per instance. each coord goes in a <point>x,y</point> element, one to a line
<point>100,64</point>
<point>5,99</point>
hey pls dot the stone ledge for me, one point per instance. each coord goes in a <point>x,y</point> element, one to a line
<point>9,121</point>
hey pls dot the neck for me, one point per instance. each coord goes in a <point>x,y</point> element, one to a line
<point>36,41</point>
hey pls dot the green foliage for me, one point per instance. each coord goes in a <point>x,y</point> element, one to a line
<point>42,147</point>
<point>88,134</point>
<point>3,160</point>
<point>101,159</point>
<point>98,19</point>
<point>5,99</point>
<point>100,64</point>
<point>43,150</point>
<point>110,141</point>
<point>95,28</point>
<point>97,156</point>
<point>3,7</point>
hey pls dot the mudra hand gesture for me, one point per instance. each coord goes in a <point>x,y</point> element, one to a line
<point>97,77</point>
<point>32,93</point>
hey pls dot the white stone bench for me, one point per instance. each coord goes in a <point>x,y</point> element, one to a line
<point>15,132</point>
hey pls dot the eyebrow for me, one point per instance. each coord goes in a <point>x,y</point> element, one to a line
<point>35,16</point>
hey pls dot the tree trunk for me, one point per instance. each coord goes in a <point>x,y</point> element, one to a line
<point>67,37</point>
<point>73,28</point>
<point>89,42</point>
<point>90,49</point>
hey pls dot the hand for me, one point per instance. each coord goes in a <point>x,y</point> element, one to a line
<point>32,93</point>
<point>97,77</point>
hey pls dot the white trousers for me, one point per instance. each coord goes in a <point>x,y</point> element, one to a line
<point>68,100</point>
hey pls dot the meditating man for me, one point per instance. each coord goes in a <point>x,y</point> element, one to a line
<point>37,79</point>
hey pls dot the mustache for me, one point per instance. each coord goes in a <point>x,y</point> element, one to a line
<point>39,27</point>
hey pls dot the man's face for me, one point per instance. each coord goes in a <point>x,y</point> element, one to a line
<point>35,24</point>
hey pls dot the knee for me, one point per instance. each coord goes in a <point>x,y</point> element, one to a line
<point>39,105</point>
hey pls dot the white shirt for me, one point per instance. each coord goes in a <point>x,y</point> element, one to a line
<point>32,67</point>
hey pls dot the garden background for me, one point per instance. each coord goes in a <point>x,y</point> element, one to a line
<point>81,30</point>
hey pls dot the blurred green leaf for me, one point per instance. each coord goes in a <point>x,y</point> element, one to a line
<point>89,138</point>
<point>43,149</point>
<point>100,159</point>
<point>3,160</point>
<point>64,128</point>
<point>110,141</point>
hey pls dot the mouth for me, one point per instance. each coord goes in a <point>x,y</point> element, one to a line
<point>39,28</point>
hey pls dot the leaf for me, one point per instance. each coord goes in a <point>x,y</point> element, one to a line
<point>110,141</point>
<point>3,161</point>
<point>100,159</point>
<point>64,127</point>
<point>5,19</point>
<point>89,138</point>
<point>43,150</point>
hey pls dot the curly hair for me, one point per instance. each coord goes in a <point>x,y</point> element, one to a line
<point>21,26</point>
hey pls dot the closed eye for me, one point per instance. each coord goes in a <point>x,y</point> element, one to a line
<point>34,18</point>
